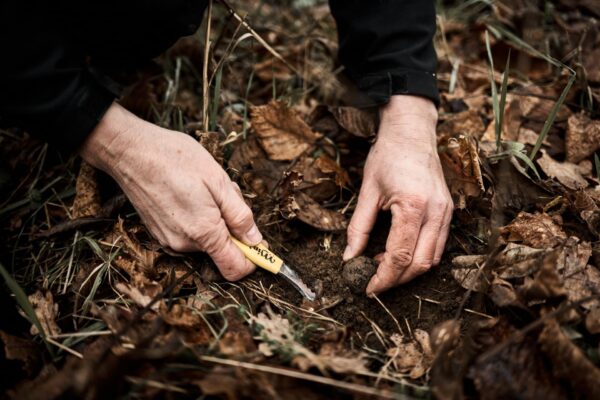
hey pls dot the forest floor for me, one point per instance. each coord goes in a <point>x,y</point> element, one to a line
<point>95,308</point>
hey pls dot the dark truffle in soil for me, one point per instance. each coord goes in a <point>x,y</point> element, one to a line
<point>357,273</point>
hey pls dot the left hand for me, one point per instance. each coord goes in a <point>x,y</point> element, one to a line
<point>403,174</point>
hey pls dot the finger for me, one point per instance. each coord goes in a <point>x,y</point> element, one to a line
<point>424,251</point>
<point>227,256</point>
<point>237,188</point>
<point>407,218</point>
<point>361,224</point>
<point>238,216</point>
<point>444,232</point>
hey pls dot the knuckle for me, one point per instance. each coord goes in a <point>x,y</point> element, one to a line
<point>401,258</point>
<point>242,216</point>
<point>422,267</point>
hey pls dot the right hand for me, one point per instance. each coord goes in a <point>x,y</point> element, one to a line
<point>183,196</point>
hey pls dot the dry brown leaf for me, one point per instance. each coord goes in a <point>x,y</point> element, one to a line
<point>87,193</point>
<point>211,141</point>
<point>412,356</point>
<point>301,206</point>
<point>462,170</point>
<point>321,178</point>
<point>282,132</point>
<point>23,350</point>
<point>276,335</point>
<point>583,137</point>
<point>146,258</point>
<point>569,362</point>
<point>518,261</point>
<point>46,311</point>
<point>327,165</point>
<point>592,321</point>
<point>138,297</point>
<point>466,123</point>
<point>537,230</point>
<point>358,122</point>
<point>567,173</point>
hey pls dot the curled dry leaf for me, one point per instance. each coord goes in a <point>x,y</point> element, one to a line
<point>538,230</point>
<point>567,173</point>
<point>583,137</point>
<point>358,122</point>
<point>301,206</point>
<point>469,275</point>
<point>46,311</point>
<point>462,170</point>
<point>282,132</point>
<point>569,362</point>
<point>413,356</point>
<point>87,201</point>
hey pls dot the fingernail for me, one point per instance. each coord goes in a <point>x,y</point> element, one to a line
<point>347,253</point>
<point>253,236</point>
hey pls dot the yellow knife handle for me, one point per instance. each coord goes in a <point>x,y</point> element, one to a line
<point>261,256</point>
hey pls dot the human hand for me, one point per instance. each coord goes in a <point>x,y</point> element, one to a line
<point>403,174</point>
<point>183,196</point>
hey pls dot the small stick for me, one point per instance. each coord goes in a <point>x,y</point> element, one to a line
<point>205,95</point>
<point>389,313</point>
<point>353,387</point>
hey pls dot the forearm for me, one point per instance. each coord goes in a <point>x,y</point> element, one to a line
<point>405,111</point>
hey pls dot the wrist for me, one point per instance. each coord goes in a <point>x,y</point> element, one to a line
<point>107,143</point>
<point>409,121</point>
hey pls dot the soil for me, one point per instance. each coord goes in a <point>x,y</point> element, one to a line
<point>321,267</point>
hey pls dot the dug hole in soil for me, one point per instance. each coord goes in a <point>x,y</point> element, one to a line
<point>422,303</point>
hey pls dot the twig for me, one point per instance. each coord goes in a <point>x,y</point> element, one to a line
<point>352,387</point>
<point>258,37</point>
<point>390,314</point>
<point>205,95</point>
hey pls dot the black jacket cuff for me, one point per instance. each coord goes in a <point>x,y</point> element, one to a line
<point>380,87</point>
<point>81,115</point>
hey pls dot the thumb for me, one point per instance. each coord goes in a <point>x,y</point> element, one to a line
<point>238,216</point>
<point>227,256</point>
<point>361,224</point>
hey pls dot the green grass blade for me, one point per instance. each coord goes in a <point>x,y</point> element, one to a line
<point>503,91</point>
<point>215,100</point>
<point>550,120</point>
<point>23,302</point>
<point>527,161</point>
<point>495,103</point>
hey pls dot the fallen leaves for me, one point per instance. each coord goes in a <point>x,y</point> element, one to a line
<point>282,132</point>
<point>583,137</point>
<point>537,230</point>
<point>87,201</point>
<point>46,311</point>
<point>569,362</point>
<point>569,174</point>
<point>277,337</point>
<point>462,170</point>
<point>301,206</point>
<point>358,122</point>
<point>411,356</point>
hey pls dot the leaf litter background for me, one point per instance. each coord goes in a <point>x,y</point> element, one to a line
<point>513,311</point>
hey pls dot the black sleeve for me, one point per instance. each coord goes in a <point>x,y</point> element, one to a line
<point>386,46</point>
<point>45,86</point>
